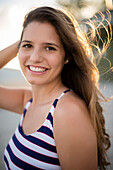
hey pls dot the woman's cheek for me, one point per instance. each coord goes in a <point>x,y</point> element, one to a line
<point>22,58</point>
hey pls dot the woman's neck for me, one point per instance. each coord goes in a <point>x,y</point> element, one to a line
<point>47,93</point>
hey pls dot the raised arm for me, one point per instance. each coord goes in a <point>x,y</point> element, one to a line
<point>12,99</point>
<point>8,54</point>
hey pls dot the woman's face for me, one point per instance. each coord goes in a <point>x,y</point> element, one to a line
<point>41,54</point>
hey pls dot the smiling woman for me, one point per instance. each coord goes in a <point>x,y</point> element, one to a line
<point>61,112</point>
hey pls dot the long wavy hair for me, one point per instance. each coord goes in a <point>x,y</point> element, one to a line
<point>80,72</point>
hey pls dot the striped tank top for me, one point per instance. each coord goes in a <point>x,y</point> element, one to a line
<point>34,151</point>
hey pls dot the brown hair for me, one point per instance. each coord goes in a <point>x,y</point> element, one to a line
<point>80,73</point>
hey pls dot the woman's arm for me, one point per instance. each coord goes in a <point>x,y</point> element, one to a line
<point>8,54</point>
<point>12,99</point>
<point>74,136</point>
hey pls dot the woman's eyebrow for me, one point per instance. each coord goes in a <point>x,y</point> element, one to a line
<point>27,41</point>
<point>48,43</point>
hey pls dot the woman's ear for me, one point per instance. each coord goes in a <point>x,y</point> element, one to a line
<point>66,61</point>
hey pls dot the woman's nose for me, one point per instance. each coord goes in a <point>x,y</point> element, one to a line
<point>36,56</point>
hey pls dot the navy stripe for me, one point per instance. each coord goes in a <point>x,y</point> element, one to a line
<point>50,118</point>
<point>7,164</point>
<point>67,90</point>
<point>34,154</point>
<point>42,144</point>
<point>55,103</point>
<point>20,129</point>
<point>46,130</point>
<point>31,100</point>
<point>19,162</point>
<point>24,112</point>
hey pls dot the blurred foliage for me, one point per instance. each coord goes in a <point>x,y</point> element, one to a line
<point>83,10</point>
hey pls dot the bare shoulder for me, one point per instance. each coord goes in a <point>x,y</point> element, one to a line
<point>71,105</point>
<point>73,131</point>
<point>72,109</point>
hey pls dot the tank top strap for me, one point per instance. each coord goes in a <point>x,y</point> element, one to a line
<point>25,109</point>
<point>56,101</point>
<point>64,93</point>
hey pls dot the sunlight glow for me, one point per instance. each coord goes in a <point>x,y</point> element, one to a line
<point>12,30</point>
<point>109,4</point>
<point>88,11</point>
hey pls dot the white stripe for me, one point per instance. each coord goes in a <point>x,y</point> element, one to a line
<point>11,164</point>
<point>21,120</point>
<point>44,138</point>
<point>33,146</point>
<point>61,95</point>
<point>30,160</point>
<point>48,124</point>
<point>6,166</point>
<point>52,110</point>
<point>27,105</point>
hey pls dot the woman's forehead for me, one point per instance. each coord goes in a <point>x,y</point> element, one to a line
<point>41,31</point>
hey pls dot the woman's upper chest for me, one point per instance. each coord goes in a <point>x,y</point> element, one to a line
<point>35,117</point>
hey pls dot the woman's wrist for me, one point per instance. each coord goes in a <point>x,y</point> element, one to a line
<point>8,53</point>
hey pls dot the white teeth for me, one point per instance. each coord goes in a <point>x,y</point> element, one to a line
<point>37,69</point>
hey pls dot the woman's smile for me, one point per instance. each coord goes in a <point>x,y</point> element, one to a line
<point>37,69</point>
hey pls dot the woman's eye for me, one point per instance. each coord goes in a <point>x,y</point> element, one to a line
<point>50,49</point>
<point>27,46</point>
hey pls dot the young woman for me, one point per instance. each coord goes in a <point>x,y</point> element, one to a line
<point>62,125</point>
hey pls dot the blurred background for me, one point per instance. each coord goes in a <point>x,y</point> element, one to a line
<point>12,14</point>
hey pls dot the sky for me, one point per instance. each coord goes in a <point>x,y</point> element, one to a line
<point>12,14</point>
